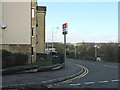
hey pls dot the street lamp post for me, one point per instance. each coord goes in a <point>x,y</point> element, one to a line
<point>48,46</point>
<point>75,51</point>
<point>96,51</point>
<point>52,36</point>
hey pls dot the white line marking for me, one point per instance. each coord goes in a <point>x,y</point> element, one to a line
<point>111,66</point>
<point>103,81</point>
<point>89,82</point>
<point>114,80</point>
<point>75,84</point>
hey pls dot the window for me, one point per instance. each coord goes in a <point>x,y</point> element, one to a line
<point>32,31</point>
<point>32,13</point>
<point>32,52</point>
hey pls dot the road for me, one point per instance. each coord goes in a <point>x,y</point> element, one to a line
<point>95,75</point>
<point>98,75</point>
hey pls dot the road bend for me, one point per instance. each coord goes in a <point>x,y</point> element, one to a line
<point>95,75</point>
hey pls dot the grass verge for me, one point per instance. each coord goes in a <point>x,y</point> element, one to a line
<point>44,63</point>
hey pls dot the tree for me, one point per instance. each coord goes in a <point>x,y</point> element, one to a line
<point>60,50</point>
<point>109,52</point>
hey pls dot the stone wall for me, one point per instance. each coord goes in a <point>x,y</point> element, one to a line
<point>41,32</point>
<point>19,48</point>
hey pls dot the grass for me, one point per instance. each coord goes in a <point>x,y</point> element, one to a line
<point>44,63</point>
<point>39,63</point>
<point>74,44</point>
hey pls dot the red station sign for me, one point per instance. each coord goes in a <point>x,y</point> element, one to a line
<point>65,28</point>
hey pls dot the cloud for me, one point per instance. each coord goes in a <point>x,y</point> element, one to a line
<point>80,35</point>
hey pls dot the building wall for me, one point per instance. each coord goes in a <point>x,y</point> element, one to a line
<point>0,23</point>
<point>19,48</point>
<point>17,16</point>
<point>16,37</point>
<point>34,4</point>
<point>41,32</point>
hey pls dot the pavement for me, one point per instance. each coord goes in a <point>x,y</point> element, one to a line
<point>38,78</point>
<point>30,69</point>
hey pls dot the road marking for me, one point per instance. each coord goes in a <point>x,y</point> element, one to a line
<point>111,66</point>
<point>89,82</point>
<point>49,86</point>
<point>114,80</point>
<point>85,73</point>
<point>75,84</point>
<point>67,81</point>
<point>103,81</point>
<point>79,76</point>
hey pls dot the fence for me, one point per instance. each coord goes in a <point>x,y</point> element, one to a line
<point>13,59</point>
<point>46,60</point>
<point>17,59</point>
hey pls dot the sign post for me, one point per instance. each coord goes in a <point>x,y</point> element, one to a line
<point>65,31</point>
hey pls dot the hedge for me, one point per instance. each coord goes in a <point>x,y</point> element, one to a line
<point>13,59</point>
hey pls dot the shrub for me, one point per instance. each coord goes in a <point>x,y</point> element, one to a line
<point>41,56</point>
<point>20,59</point>
<point>13,59</point>
<point>6,53</point>
<point>42,59</point>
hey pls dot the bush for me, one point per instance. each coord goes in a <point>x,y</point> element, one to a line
<point>60,50</point>
<point>8,61</point>
<point>41,57</point>
<point>20,59</point>
<point>13,59</point>
<point>6,53</point>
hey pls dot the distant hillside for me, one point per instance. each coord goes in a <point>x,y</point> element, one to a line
<point>55,44</point>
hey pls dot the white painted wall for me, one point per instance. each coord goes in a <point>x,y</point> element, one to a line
<point>0,23</point>
<point>17,16</point>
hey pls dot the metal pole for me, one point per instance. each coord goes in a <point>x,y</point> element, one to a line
<point>52,38</point>
<point>75,51</point>
<point>95,53</point>
<point>47,47</point>
<point>64,48</point>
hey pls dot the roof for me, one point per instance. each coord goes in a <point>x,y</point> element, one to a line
<point>41,8</point>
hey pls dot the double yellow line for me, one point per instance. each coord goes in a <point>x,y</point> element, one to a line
<point>79,76</point>
<point>85,72</point>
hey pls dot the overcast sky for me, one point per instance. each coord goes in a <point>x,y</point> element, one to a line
<point>87,21</point>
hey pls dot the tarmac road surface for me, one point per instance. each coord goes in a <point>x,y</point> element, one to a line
<point>95,75</point>
<point>98,75</point>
